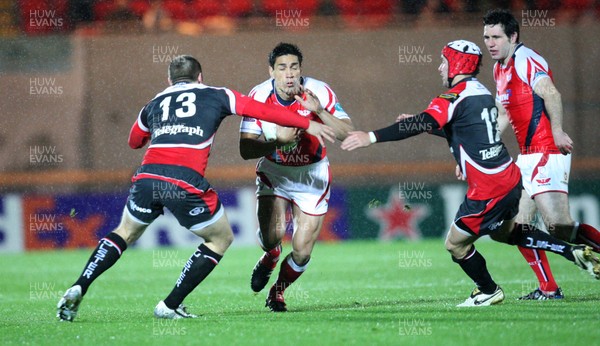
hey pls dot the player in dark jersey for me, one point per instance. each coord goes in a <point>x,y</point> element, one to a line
<point>466,115</point>
<point>527,98</point>
<point>180,123</point>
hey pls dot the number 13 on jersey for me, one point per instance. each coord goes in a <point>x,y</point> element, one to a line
<point>185,106</point>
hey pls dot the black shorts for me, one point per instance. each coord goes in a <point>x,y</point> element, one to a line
<point>484,217</point>
<point>182,190</point>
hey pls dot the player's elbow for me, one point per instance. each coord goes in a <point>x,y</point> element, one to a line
<point>132,144</point>
<point>136,143</point>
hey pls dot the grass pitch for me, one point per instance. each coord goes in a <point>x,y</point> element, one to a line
<point>354,293</point>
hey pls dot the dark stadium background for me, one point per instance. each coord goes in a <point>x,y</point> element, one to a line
<point>74,75</point>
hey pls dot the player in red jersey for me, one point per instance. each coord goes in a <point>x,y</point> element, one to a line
<point>293,170</point>
<point>526,95</point>
<point>466,115</point>
<point>180,123</point>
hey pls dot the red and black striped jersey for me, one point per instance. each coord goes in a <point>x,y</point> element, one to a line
<point>181,122</point>
<point>468,115</point>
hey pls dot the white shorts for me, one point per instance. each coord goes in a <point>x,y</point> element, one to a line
<point>544,172</point>
<point>306,186</point>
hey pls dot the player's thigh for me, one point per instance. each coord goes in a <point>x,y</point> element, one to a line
<point>502,235</point>
<point>272,217</point>
<point>527,210</point>
<point>217,233</point>
<point>488,217</point>
<point>200,211</point>
<point>554,207</point>
<point>306,229</point>
<point>130,229</point>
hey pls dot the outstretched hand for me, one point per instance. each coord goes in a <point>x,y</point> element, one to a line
<point>321,131</point>
<point>311,103</point>
<point>403,117</point>
<point>355,140</point>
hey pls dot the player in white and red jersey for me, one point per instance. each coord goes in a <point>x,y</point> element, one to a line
<point>466,115</point>
<point>180,123</point>
<point>526,95</point>
<point>293,170</point>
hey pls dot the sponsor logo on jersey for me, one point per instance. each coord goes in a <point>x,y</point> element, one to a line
<point>508,77</point>
<point>449,96</point>
<point>436,108</point>
<point>177,129</point>
<point>491,152</point>
<point>303,112</point>
<point>197,211</point>
<point>504,97</point>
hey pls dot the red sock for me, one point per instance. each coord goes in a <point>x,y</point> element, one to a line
<point>271,257</point>
<point>588,235</point>
<point>288,273</point>
<point>541,267</point>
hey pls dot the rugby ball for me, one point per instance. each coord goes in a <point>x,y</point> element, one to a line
<point>269,130</point>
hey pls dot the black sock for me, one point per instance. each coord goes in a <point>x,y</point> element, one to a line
<point>106,254</point>
<point>473,264</point>
<point>532,238</point>
<point>196,269</point>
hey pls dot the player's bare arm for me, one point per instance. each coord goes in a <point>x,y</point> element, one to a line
<point>321,131</point>
<point>404,116</point>
<point>341,127</point>
<point>502,120</point>
<point>252,147</point>
<point>355,140</point>
<point>553,102</point>
<point>395,132</point>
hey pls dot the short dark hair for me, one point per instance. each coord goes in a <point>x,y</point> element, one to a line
<point>184,68</point>
<point>284,49</point>
<point>505,18</point>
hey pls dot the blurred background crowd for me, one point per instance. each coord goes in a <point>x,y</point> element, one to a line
<point>225,16</point>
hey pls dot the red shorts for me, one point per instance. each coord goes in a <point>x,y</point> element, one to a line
<point>482,217</point>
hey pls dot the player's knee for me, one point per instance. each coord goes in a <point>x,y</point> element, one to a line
<point>456,250</point>
<point>227,238</point>
<point>300,258</point>
<point>561,228</point>
<point>301,254</point>
<point>270,241</point>
<point>128,235</point>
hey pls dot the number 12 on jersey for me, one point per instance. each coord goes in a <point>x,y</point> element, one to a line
<point>490,116</point>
